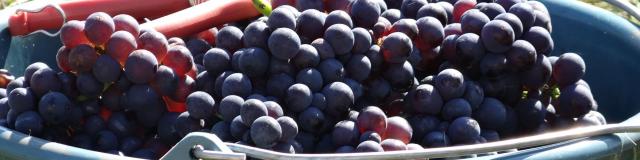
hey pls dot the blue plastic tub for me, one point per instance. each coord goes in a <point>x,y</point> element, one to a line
<point>609,44</point>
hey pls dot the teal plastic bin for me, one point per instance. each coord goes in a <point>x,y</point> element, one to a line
<point>609,44</point>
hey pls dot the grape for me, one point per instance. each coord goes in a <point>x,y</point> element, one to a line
<point>166,81</point>
<point>230,107</point>
<point>311,120</point>
<point>538,75</point>
<point>455,108</point>
<point>141,67</point>
<point>11,118</point>
<point>282,17</point>
<point>253,62</point>
<point>474,94</point>
<point>542,20</point>
<point>425,99</point>
<point>216,61</point>
<point>396,48</point>
<point>106,140</point>
<point>509,3</point>
<point>491,9</point>
<point>331,70</point>
<point>493,65</point>
<point>381,28</point>
<point>513,21</point>
<point>393,145</point>
<point>230,38</point>
<point>362,40</point>
<point>298,97</point>
<point>372,118</point>
<point>310,24</point>
<point>82,141</point>
<point>200,105</point>
<point>54,107</point>
<point>141,95</point>
<point>375,58</point>
<point>45,80</point>
<point>106,69</point>
<point>68,84</point>
<point>82,57</point>
<point>257,34</point>
<point>119,124</point>
<point>284,43</point>
<point>433,10</point>
<point>400,76</point>
<point>307,56</point>
<point>448,7</point>
<point>185,124</point>
<point>365,13</point>
<point>409,8</point>
<point>289,128</point>
<point>522,55</point>
<point>340,37</point>
<point>392,15</point>
<point>176,41</point>
<point>198,47</point>
<point>251,110</point>
<point>156,43</point>
<point>185,86</point>
<point>237,128</point>
<point>304,5</point>
<point>122,43</point>
<point>435,139</point>
<point>265,132</point>
<point>130,144</point>
<point>430,34</point>
<point>530,113</point>
<point>356,87</point>
<point>236,84</point>
<point>497,36</point>
<point>460,8</point>
<point>124,22</point>
<point>339,98</point>
<point>423,124</point>
<point>94,124</point>
<point>525,13</point>
<point>450,84</point>
<point>179,59</point>
<point>310,77</point>
<point>574,102</point>
<point>490,135</point>
<point>325,144</point>
<point>469,49</point>
<point>335,5</point>
<point>278,84</point>
<point>540,38</point>
<point>345,149</point>
<point>337,17</point>
<point>22,99</point>
<point>406,26</point>
<point>4,108</point>
<point>98,27</point>
<point>369,146</point>
<point>359,67</point>
<point>31,69</point>
<point>473,21</point>
<point>62,59</point>
<point>463,130</point>
<point>325,51</point>
<point>491,114</point>
<point>72,34</point>
<point>398,128</point>
<point>29,122</point>
<point>284,147</point>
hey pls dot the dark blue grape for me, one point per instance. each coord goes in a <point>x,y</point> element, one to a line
<point>298,98</point>
<point>378,89</point>
<point>119,124</point>
<point>410,8</point>
<point>221,129</point>
<point>278,84</point>
<point>423,124</point>
<point>254,62</point>
<point>106,141</point>
<point>463,130</point>
<point>332,70</point>
<point>359,67</point>
<point>165,81</point>
<point>376,58</point>
<point>338,17</point>
<point>94,124</point>
<point>369,146</point>
<point>433,10</point>
<point>345,149</point>
<point>284,43</point>
<point>542,20</point>
<point>54,107</point>
<point>130,144</point>
<point>540,38</point>
<point>236,84</point>
<point>310,24</point>
<point>21,99</point>
<point>396,48</point>
<point>251,110</point>
<point>216,61</point>
<point>311,120</point>
<point>497,36</point>
<point>473,20</point>
<point>237,128</point>
<point>430,33</point>
<point>474,94</point>
<point>509,3</point>
<point>230,107</point>
<point>530,113</point>
<point>491,114</point>
<point>44,80</point>
<point>325,51</point>
<point>265,132</point>
<point>229,38</point>
<point>490,135</point>
<point>455,108</point>
<point>400,76</point>
<point>435,139</point>
<point>277,66</point>
<point>88,85</point>
<point>524,12</point>
<point>575,101</point>
<point>289,128</point>
<point>356,87</point>
<point>304,5</point>
<point>310,77</point>
<point>256,35</point>
<point>17,83</point>
<point>31,69</point>
<point>141,96</point>
<point>406,26</point>
<point>106,69</point>
<point>362,41</point>
<point>185,124</point>
<point>468,50</point>
<point>340,37</point>
<point>4,108</point>
<point>200,105</point>
<point>538,75</point>
<point>365,13</point>
<point>198,47</point>
<point>392,15</point>
<point>140,67</point>
<point>282,17</point>
<point>339,98</point>
<point>491,9</point>
<point>345,133</point>
<point>425,99</point>
<point>513,21</point>
<point>307,56</point>
<point>29,122</point>
<point>522,55</point>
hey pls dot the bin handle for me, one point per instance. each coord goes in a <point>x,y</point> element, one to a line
<point>627,7</point>
<point>443,152</point>
<point>56,7</point>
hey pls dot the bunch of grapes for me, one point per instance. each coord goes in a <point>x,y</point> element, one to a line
<point>321,77</point>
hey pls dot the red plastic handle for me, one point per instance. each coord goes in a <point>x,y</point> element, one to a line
<point>23,23</point>
<point>202,17</point>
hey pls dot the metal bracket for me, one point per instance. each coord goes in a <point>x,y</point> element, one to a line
<point>200,145</point>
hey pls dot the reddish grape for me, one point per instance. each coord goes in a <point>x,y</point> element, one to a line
<point>120,45</point>
<point>62,59</point>
<point>98,28</point>
<point>72,34</point>
<point>186,85</point>
<point>155,42</point>
<point>82,58</point>
<point>460,7</point>
<point>124,22</point>
<point>372,118</point>
<point>208,35</point>
<point>398,128</point>
<point>179,59</point>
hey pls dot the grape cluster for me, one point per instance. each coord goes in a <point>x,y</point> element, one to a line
<point>312,77</point>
